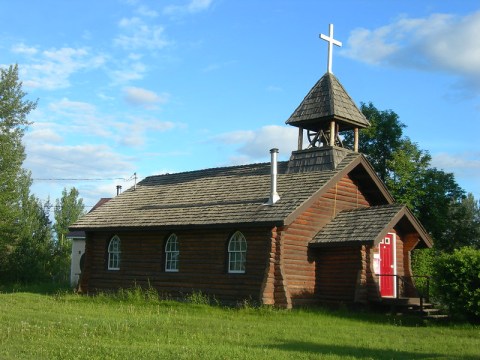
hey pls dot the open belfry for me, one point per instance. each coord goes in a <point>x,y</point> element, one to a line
<point>321,227</point>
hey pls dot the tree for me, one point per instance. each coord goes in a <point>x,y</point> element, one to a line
<point>381,139</point>
<point>13,178</point>
<point>408,166</point>
<point>68,209</point>
<point>433,195</point>
<point>32,260</point>
<point>433,210</point>
<point>464,229</point>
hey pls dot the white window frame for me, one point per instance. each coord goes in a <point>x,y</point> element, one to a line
<point>114,253</point>
<point>237,253</point>
<point>172,254</point>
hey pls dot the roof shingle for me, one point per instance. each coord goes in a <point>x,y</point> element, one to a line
<point>365,225</point>
<point>327,100</point>
<point>219,196</point>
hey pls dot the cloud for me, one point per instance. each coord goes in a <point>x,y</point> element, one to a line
<point>142,97</point>
<point>51,69</point>
<point>139,35</point>
<point>255,145</point>
<point>24,49</point>
<point>133,133</point>
<point>69,107</point>
<point>440,42</point>
<point>194,6</point>
<point>464,163</point>
<point>146,11</point>
<point>67,117</point>
<point>47,160</point>
<point>128,71</point>
<point>89,161</point>
<point>465,166</point>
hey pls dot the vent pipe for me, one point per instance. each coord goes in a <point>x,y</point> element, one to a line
<point>119,189</point>
<point>274,197</point>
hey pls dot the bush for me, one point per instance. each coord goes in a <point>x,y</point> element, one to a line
<point>456,278</point>
<point>422,265</point>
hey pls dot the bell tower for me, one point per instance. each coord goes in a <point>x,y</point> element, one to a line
<point>327,110</point>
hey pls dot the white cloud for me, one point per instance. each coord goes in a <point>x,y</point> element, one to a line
<point>139,35</point>
<point>24,49</point>
<point>48,160</point>
<point>127,72</point>
<point>51,69</point>
<point>53,161</point>
<point>440,42</point>
<point>133,133</point>
<point>255,145</point>
<point>69,107</point>
<point>465,166</point>
<point>146,11</point>
<point>194,6</point>
<point>142,97</point>
<point>459,163</point>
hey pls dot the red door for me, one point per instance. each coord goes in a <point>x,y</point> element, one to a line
<point>387,266</point>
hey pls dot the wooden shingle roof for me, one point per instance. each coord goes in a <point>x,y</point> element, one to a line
<point>365,225</point>
<point>213,197</point>
<point>326,101</point>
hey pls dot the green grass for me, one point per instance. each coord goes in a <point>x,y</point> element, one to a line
<point>135,325</point>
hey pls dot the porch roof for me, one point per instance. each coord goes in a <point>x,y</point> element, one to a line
<point>369,225</point>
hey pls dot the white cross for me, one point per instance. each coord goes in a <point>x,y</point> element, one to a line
<point>331,41</point>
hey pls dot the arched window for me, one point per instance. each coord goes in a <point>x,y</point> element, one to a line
<point>114,253</point>
<point>237,253</point>
<point>172,254</point>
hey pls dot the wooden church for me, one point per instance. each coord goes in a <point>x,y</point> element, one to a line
<point>321,227</point>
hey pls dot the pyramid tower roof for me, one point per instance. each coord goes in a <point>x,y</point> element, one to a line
<point>326,101</point>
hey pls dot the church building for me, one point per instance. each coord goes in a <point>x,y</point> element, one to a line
<point>321,227</point>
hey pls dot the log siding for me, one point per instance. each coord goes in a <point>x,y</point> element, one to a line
<point>307,283</point>
<point>203,263</point>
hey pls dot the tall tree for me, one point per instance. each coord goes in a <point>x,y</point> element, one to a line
<point>433,195</point>
<point>32,259</point>
<point>464,225</point>
<point>408,166</point>
<point>381,139</point>
<point>13,178</point>
<point>68,209</point>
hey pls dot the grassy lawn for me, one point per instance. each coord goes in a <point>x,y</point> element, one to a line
<point>68,326</point>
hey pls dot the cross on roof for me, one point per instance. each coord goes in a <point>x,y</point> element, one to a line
<point>331,41</point>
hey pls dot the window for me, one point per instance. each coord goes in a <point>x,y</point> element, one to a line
<point>114,253</point>
<point>237,253</point>
<point>172,252</point>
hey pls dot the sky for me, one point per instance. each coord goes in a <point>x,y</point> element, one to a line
<point>152,87</point>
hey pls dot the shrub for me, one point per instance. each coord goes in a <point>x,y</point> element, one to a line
<point>457,282</point>
<point>422,265</point>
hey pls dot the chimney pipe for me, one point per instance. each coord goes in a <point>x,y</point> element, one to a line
<point>274,197</point>
<point>119,188</point>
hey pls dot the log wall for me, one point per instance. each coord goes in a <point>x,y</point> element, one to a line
<point>203,263</point>
<point>300,262</point>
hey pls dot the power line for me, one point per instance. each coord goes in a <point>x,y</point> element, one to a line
<point>134,176</point>
<point>79,179</point>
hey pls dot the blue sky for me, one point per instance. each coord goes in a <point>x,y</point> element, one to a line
<point>151,87</point>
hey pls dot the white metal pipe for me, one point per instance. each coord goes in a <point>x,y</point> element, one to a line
<point>274,197</point>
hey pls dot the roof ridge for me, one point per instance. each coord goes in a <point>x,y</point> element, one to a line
<point>219,168</point>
